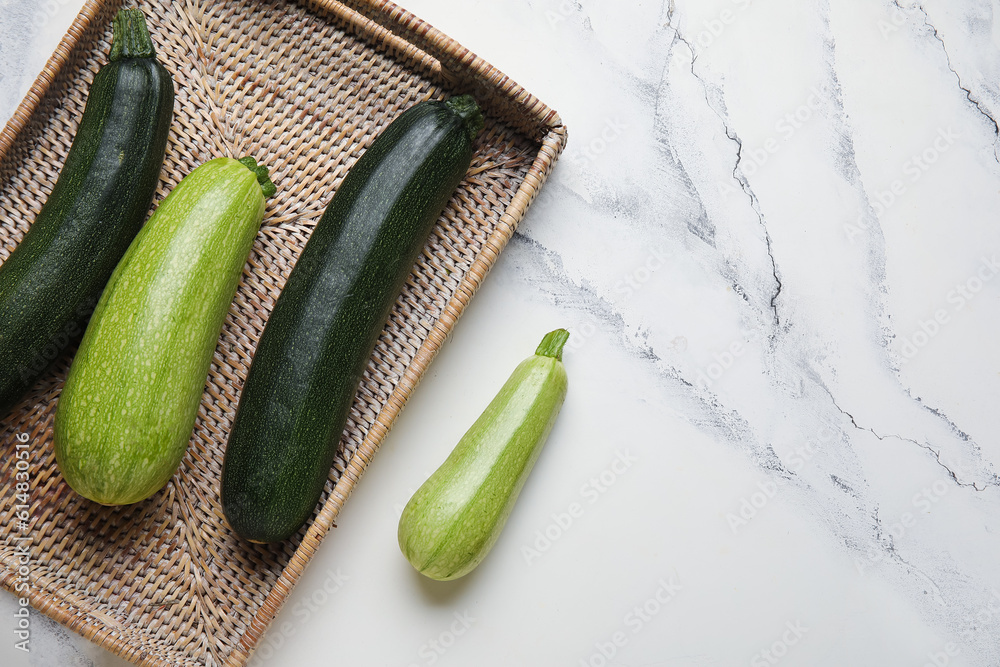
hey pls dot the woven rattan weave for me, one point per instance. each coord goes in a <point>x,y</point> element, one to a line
<point>303,87</point>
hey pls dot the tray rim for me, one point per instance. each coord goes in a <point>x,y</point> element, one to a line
<point>384,26</point>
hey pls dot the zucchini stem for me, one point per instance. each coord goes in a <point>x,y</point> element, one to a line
<point>260,171</point>
<point>131,36</point>
<point>467,109</point>
<point>552,344</point>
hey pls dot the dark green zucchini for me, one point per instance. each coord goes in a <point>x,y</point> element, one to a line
<point>50,284</point>
<point>317,341</point>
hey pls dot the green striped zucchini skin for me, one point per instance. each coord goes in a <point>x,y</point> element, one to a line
<point>453,520</point>
<point>51,282</point>
<point>310,359</point>
<point>126,414</point>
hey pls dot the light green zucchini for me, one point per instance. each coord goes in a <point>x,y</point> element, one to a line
<point>456,516</point>
<point>128,408</point>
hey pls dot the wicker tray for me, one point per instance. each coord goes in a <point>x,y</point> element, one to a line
<point>303,87</point>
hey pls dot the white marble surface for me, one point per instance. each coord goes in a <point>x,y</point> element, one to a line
<point>774,235</point>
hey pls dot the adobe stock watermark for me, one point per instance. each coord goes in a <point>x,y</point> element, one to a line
<point>578,336</point>
<point>924,500</point>
<point>303,610</point>
<point>31,368</point>
<point>21,538</point>
<point>752,159</point>
<point>897,19</point>
<point>943,657</point>
<point>432,650</point>
<point>772,655</point>
<point>634,280</point>
<point>634,621</point>
<point>973,624</point>
<point>751,504</point>
<point>583,332</point>
<point>723,361</point>
<point>46,10</point>
<point>561,13</point>
<point>591,491</point>
<point>958,297</point>
<point>796,460</point>
<point>983,618</point>
<point>593,149</point>
<point>714,28</point>
<point>803,454</point>
<point>912,171</point>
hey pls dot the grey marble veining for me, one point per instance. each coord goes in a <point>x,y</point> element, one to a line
<point>774,236</point>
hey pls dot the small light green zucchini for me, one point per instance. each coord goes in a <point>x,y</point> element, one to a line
<point>456,516</point>
<point>126,414</point>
